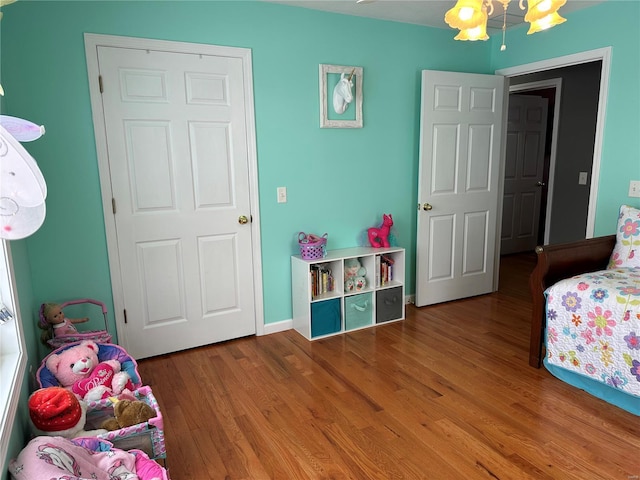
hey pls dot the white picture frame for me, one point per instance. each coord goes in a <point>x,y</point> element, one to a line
<point>326,97</point>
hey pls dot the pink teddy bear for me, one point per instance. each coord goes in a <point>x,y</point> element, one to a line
<point>78,369</point>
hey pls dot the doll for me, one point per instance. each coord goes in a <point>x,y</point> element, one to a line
<point>54,322</point>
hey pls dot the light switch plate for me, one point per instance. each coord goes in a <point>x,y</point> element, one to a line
<point>582,178</point>
<point>282,194</point>
<point>634,188</point>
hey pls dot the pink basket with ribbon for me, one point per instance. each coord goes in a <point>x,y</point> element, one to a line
<point>312,246</point>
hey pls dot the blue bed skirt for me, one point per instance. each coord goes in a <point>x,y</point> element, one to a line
<point>618,398</point>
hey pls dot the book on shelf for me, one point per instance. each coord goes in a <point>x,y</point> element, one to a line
<point>384,269</point>
<point>321,279</point>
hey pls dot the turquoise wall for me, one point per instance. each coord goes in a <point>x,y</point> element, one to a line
<point>339,181</point>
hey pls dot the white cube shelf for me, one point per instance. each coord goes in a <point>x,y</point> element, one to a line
<point>322,311</point>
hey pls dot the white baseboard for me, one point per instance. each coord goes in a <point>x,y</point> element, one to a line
<point>410,299</point>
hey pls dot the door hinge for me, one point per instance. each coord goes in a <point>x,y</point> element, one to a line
<point>113,205</point>
<point>100,83</point>
<point>125,315</point>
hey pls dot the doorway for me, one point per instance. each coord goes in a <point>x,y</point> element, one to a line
<point>572,205</point>
<point>524,169</point>
<point>551,92</point>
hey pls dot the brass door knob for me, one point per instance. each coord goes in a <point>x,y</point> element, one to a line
<point>242,219</point>
<point>427,207</point>
<point>540,184</point>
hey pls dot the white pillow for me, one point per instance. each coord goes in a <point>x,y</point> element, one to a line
<point>626,252</point>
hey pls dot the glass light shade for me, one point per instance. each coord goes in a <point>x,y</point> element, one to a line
<point>539,9</point>
<point>465,14</point>
<point>546,22</point>
<point>476,33</point>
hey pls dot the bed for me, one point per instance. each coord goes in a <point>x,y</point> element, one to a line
<point>586,313</point>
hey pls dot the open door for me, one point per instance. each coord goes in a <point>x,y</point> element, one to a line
<point>524,173</point>
<point>461,144</point>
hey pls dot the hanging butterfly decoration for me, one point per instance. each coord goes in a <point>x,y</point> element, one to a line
<point>20,129</point>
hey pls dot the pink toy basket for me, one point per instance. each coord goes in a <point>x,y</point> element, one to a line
<point>312,246</point>
<point>147,436</point>
<point>98,336</point>
<point>106,351</point>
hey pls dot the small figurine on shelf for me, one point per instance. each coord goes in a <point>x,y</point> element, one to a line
<point>379,237</point>
<point>354,275</point>
<point>54,322</point>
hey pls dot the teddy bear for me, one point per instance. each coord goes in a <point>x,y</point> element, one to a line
<point>127,413</point>
<point>354,275</point>
<point>55,411</point>
<point>78,369</point>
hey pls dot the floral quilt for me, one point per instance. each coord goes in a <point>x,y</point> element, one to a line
<point>593,327</point>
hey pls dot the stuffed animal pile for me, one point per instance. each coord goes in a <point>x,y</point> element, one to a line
<point>55,411</point>
<point>79,370</point>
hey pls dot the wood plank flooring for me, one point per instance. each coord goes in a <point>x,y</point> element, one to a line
<point>445,394</point>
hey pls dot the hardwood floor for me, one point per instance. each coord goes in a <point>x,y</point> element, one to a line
<point>445,394</point>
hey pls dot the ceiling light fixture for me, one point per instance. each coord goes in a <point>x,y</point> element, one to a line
<point>470,17</point>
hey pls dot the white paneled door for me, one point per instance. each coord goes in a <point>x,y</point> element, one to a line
<point>178,146</point>
<point>523,176</point>
<point>459,179</point>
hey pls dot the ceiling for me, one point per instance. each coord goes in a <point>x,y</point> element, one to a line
<point>423,12</point>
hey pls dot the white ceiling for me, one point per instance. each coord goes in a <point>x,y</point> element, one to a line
<point>423,12</point>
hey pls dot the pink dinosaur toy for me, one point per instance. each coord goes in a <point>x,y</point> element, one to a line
<point>379,237</point>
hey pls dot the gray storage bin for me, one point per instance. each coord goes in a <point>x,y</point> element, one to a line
<point>389,304</point>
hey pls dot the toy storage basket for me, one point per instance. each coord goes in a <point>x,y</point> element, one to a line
<point>147,436</point>
<point>98,336</point>
<point>106,351</point>
<point>312,246</point>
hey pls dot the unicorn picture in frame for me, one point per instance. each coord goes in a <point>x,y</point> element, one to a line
<point>342,95</point>
<point>337,101</point>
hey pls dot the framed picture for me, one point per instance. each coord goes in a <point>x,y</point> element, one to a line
<point>340,96</point>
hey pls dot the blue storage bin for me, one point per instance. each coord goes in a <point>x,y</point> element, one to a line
<point>325,317</point>
<point>358,311</point>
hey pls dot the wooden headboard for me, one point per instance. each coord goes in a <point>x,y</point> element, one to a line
<point>556,262</point>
